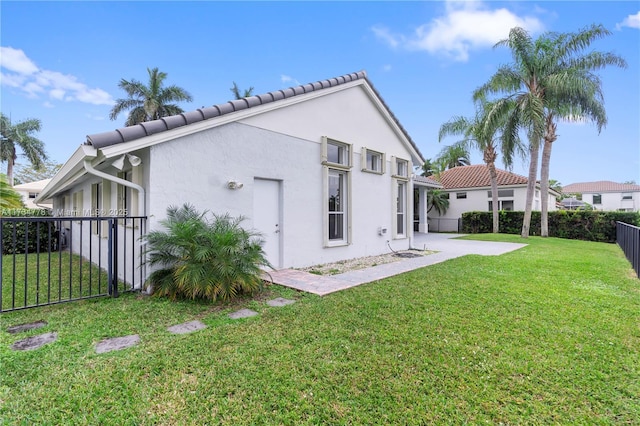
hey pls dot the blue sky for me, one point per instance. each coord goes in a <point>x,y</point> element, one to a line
<point>62,61</point>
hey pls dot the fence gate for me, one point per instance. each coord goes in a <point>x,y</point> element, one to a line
<point>49,260</point>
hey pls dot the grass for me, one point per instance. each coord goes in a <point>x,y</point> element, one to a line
<point>546,334</point>
<point>49,278</point>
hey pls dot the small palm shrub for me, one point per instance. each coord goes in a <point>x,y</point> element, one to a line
<point>202,258</point>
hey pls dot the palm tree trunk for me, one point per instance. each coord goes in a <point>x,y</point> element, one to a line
<point>534,150</point>
<point>549,138</point>
<point>10,162</point>
<point>494,196</point>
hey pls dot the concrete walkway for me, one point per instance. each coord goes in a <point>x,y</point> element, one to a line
<point>445,244</point>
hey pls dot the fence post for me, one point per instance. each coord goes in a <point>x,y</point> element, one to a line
<point>112,258</point>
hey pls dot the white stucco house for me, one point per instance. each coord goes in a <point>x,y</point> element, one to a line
<point>30,191</point>
<point>606,195</point>
<point>322,170</point>
<point>469,189</point>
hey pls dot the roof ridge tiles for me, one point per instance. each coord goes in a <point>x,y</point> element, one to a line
<point>127,134</point>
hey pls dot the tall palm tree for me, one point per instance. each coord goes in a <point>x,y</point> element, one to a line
<point>149,102</point>
<point>477,132</point>
<point>236,92</point>
<point>20,135</point>
<point>547,80</point>
<point>9,198</point>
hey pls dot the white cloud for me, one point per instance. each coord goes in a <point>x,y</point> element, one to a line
<point>631,21</point>
<point>26,76</point>
<point>15,60</point>
<point>47,104</point>
<point>465,27</point>
<point>386,68</point>
<point>288,79</point>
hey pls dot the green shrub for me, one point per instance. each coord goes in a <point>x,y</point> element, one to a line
<point>38,235</point>
<point>585,225</point>
<point>204,259</point>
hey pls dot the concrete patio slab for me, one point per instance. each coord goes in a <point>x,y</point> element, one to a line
<point>446,246</point>
<point>34,342</point>
<point>243,313</point>
<point>117,343</point>
<point>187,327</point>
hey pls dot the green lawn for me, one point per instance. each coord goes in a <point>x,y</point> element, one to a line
<point>549,334</point>
<point>49,278</point>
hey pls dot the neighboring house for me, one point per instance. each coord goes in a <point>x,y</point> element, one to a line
<point>30,191</point>
<point>606,195</point>
<point>322,170</point>
<point>469,189</point>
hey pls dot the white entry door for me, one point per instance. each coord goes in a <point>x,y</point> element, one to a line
<point>266,217</point>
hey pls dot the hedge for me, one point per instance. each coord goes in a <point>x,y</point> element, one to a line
<point>572,224</point>
<point>13,233</point>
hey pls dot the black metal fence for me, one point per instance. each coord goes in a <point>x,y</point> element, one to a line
<point>49,260</point>
<point>628,238</point>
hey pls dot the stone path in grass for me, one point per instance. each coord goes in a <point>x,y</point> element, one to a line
<point>123,342</point>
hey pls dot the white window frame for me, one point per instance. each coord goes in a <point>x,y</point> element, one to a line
<point>345,161</point>
<point>342,168</point>
<point>501,205</point>
<point>593,198</point>
<point>627,195</point>
<point>461,195</point>
<point>400,207</point>
<point>396,171</point>
<point>368,167</point>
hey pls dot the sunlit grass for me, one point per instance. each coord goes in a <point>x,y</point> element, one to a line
<point>49,278</point>
<point>548,334</point>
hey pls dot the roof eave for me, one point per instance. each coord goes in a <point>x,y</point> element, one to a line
<point>68,173</point>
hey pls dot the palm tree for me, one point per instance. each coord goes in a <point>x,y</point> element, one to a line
<point>452,156</point>
<point>20,134</point>
<point>429,168</point>
<point>149,102</point>
<point>548,79</point>
<point>439,200</point>
<point>478,133</point>
<point>9,198</point>
<point>236,91</point>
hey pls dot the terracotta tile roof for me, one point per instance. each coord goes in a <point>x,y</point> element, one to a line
<point>126,134</point>
<point>599,186</point>
<point>475,176</point>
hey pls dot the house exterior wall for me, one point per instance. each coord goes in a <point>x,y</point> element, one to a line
<point>612,201</point>
<point>477,199</point>
<point>91,242</point>
<point>282,143</point>
<point>201,165</point>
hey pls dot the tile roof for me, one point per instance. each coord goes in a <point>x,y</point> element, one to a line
<point>599,186</point>
<point>428,180</point>
<point>127,134</point>
<point>477,175</point>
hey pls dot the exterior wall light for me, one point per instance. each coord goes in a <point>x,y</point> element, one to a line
<point>232,184</point>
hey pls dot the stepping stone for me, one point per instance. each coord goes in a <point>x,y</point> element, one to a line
<point>24,327</point>
<point>187,327</point>
<point>243,313</point>
<point>34,342</point>
<point>117,343</point>
<point>280,301</point>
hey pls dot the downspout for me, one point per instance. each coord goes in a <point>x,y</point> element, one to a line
<point>141,193</point>
<point>141,201</point>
